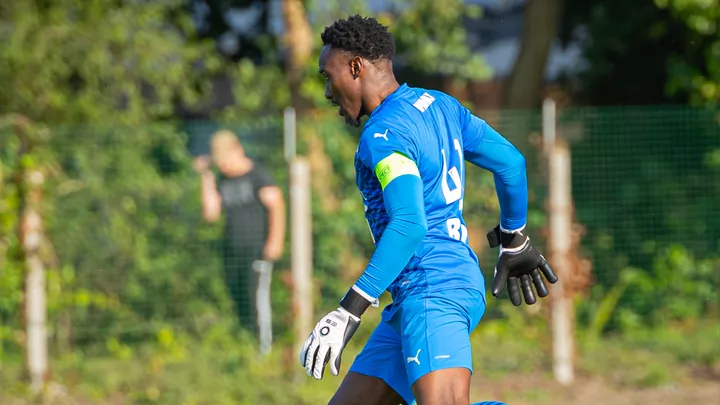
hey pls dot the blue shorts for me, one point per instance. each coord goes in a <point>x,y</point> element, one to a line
<point>420,335</point>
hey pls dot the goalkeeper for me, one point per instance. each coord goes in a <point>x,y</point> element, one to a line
<point>411,175</point>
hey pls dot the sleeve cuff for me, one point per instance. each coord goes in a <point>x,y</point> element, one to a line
<point>374,302</point>
<point>512,230</point>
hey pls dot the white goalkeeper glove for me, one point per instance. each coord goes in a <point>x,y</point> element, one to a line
<point>330,336</point>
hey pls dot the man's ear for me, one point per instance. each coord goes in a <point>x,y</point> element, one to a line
<point>356,66</point>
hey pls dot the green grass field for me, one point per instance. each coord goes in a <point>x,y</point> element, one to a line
<point>667,366</point>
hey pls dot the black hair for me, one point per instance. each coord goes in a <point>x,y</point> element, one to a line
<point>362,36</point>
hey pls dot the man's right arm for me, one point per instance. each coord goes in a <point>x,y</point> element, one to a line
<point>519,265</point>
<point>211,201</point>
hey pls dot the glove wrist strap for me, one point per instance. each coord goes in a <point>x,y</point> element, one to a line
<point>355,303</point>
<point>499,236</point>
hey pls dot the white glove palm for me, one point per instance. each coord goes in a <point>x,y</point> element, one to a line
<point>327,341</point>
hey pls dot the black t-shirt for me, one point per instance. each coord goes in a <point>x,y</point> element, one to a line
<point>246,218</point>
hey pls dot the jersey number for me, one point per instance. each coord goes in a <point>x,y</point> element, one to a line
<point>454,194</point>
<point>456,229</point>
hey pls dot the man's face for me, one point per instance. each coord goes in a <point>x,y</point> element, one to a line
<point>229,159</point>
<point>342,83</point>
<point>226,163</point>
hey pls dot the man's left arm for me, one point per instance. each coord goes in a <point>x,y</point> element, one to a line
<point>272,198</point>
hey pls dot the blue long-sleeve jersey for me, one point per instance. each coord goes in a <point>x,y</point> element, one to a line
<point>410,170</point>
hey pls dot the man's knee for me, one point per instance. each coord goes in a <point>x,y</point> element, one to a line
<point>443,387</point>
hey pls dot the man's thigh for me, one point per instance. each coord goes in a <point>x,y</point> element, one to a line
<point>449,386</point>
<point>360,389</point>
<point>435,334</point>
<point>377,376</point>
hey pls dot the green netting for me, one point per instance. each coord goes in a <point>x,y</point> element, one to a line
<point>130,252</point>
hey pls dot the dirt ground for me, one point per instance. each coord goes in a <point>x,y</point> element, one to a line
<point>535,390</point>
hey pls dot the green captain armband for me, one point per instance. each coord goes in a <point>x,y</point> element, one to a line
<point>394,166</point>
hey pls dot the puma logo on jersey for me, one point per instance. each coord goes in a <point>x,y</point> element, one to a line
<point>379,135</point>
<point>414,359</point>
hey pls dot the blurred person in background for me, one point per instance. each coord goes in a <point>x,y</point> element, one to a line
<point>254,209</point>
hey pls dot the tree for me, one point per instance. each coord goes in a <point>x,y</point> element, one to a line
<point>541,23</point>
<point>299,42</point>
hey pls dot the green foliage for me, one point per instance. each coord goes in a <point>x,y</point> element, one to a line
<point>662,51</point>
<point>133,233</point>
<point>11,273</point>
<point>518,334</point>
<point>23,152</point>
<point>604,308</point>
<point>688,287</point>
<point>432,39</point>
<point>100,60</point>
<point>642,186</point>
<point>702,81</point>
<point>121,205</point>
<point>259,90</point>
<point>341,236</point>
<point>647,357</point>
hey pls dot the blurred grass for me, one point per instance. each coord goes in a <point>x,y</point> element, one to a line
<point>224,369</point>
<point>661,357</point>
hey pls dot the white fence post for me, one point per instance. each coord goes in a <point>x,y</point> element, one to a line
<point>559,244</point>
<point>35,299</point>
<point>300,234</point>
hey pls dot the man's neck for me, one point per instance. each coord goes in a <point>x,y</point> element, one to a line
<point>383,90</point>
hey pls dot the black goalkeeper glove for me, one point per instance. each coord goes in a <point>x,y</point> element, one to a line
<point>518,264</point>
